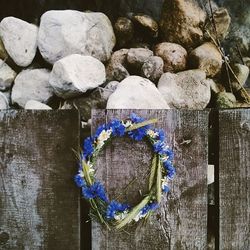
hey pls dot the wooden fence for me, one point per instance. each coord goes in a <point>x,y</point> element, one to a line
<point>39,204</point>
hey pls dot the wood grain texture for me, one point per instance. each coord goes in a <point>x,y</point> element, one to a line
<point>181,223</point>
<point>234,179</point>
<point>39,204</point>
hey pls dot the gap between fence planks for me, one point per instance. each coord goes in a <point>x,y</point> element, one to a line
<point>234,179</point>
<point>181,223</point>
<point>39,203</point>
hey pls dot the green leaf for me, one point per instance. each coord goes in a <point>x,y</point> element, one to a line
<point>141,124</point>
<point>85,170</point>
<point>153,171</point>
<point>158,182</point>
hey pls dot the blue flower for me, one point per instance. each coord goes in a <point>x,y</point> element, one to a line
<point>118,129</point>
<point>99,130</point>
<point>169,153</point>
<point>95,191</point>
<point>140,133</point>
<point>79,181</point>
<point>165,189</point>
<point>88,147</point>
<point>161,134</point>
<point>114,207</point>
<point>167,164</point>
<point>171,173</point>
<point>149,207</point>
<point>159,147</point>
<point>136,119</point>
<point>170,169</point>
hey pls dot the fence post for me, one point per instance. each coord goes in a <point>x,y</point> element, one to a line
<point>234,179</point>
<point>39,204</point>
<point>181,223</point>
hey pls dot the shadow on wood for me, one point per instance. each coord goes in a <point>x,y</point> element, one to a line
<point>39,204</point>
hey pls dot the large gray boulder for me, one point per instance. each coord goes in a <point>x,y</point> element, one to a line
<point>187,89</point>
<point>32,84</point>
<point>19,39</point>
<point>67,32</point>
<point>136,92</point>
<point>76,74</point>
<point>7,76</point>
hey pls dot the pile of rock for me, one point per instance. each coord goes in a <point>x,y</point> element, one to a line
<point>80,60</point>
<point>73,43</point>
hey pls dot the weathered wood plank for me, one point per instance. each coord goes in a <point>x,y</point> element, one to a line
<point>234,179</point>
<point>39,204</point>
<point>181,223</point>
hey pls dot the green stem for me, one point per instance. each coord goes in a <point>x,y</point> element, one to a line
<point>142,124</point>
<point>95,207</point>
<point>153,171</point>
<point>158,182</point>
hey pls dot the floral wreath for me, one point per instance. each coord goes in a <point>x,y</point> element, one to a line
<point>113,213</point>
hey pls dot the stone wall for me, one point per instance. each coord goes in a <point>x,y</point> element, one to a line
<point>141,54</point>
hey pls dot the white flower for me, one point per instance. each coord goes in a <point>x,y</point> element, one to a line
<point>91,170</point>
<point>164,158</point>
<point>104,135</point>
<point>121,216</point>
<point>139,216</point>
<point>127,124</point>
<point>164,182</point>
<point>91,167</point>
<point>80,172</point>
<point>152,134</point>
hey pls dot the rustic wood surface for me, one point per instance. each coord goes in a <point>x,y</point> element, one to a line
<point>39,203</point>
<point>234,179</point>
<point>181,223</point>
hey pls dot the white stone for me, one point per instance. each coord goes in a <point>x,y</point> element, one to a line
<point>19,39</point>
<point>187,89</point>
<point>136,92</point>
<point>32,104</point>
<point>32,84</point>
<point>67,32</point>
<point>4,104</point>
<point>76,74</point>
<point>7,76</point>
